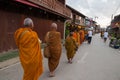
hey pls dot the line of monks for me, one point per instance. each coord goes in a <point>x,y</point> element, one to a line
<point>72,42</point>
<point>30,53</point>
<point>79,36</point>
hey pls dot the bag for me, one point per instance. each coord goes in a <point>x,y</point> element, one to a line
<point>46,52</point>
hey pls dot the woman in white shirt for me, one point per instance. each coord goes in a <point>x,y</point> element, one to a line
<point>89,36</point>
<point>105,36</point>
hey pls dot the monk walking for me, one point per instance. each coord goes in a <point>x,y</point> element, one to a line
<point>82,35</point>
<point>53,40</point>
<point>29,50</point>
<point>71,47</point>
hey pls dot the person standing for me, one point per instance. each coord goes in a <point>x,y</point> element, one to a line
<point>89,36</point>
<point>53,40</point>
<point>29,50</point>
<point>71,47</point>
<point>105,36</point>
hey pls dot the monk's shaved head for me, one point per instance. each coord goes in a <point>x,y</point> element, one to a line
<point>54,25</point>
<point>28,22</point>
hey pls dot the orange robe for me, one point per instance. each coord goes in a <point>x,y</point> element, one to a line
<point>54,42</point>
<point>76,36</point>
<point>30,53</point>
<point>70,46</point>
<point>82,35</point>
<point>78,39</point>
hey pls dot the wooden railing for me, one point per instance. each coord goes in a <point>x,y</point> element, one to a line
<point>54,5</point>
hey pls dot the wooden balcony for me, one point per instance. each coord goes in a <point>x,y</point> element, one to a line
<point>53,5</point>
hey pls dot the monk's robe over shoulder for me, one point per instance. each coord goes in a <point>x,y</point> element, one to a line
<point>30,53</point>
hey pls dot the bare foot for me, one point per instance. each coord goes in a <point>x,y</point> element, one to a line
<point>70,62</point>
<point>51,74</point>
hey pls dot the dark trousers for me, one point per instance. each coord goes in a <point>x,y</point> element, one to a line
<point>105,39</point>
<point>89,39</point>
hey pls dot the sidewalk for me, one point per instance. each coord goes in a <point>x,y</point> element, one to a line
<point>12,61</point>
<point>95,61</point>
<point>9,62</point>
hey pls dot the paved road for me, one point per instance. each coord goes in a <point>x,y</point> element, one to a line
<point>96,61</point>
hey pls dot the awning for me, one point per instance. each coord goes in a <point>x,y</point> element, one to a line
<point>27,3</point>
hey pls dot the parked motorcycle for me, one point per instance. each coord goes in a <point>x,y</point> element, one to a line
<point>114,43</point>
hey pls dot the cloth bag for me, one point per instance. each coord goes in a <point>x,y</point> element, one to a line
<point>46,51</point>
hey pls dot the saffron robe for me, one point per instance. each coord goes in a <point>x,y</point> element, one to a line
<point>30,53</point>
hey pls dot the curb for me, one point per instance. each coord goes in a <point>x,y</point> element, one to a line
<point>9,62</point>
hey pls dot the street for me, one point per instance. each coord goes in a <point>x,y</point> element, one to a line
<point>96,61</point>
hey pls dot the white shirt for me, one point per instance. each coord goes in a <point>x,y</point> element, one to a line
<point>89,33</point>
<point>105,34</point>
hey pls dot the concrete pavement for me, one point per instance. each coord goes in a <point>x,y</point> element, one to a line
<point>96,61</point>
<point>9,62</point>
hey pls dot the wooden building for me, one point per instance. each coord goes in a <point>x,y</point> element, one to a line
<point>114,28</point>
<point>115,22</point>
<point>42,12</point>
<point>77,17</point>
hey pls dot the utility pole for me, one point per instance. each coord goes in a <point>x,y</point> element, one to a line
<point>96,18</point>
<point>95,24</point>
<point>112,17</point>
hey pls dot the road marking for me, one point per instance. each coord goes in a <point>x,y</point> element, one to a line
<point>82,60</point>
<point>9,66</point>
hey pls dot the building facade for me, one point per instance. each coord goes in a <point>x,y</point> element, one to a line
<point>77,18</point>
<point>42,12</point>
<point>114,28</point>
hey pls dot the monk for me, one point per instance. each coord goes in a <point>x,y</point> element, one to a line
<point>53,40</point>
<point>29,51</point>
<point>82,36</point>
<point>71,47</point>
<point>76,36</point>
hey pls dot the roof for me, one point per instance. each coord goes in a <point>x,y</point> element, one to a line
<point>33,4</point>
<point>75,11</point>
<point>27,3</point>
<point>116,18</point>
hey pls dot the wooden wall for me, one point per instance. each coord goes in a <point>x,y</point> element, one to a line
<point>11,20</point>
